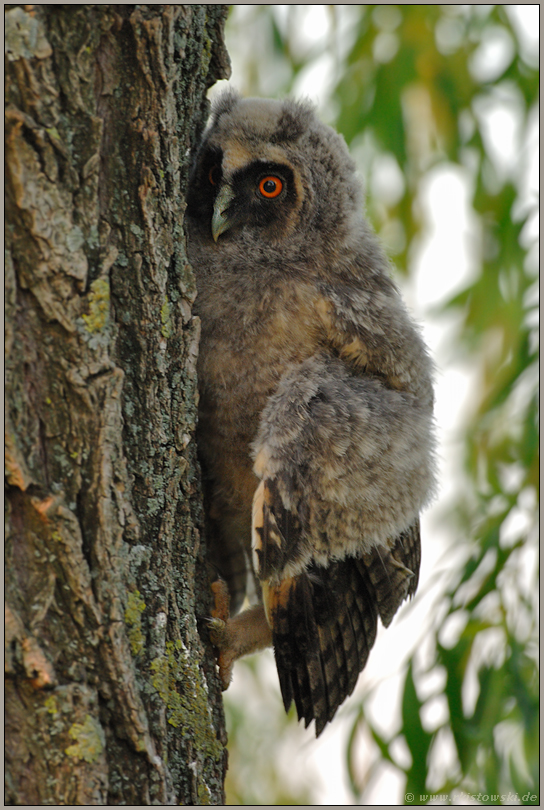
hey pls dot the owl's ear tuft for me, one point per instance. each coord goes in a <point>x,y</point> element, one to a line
<point>293,122</point>
<point>224,103</point>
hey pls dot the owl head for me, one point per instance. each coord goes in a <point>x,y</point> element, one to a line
<point>270,174</point>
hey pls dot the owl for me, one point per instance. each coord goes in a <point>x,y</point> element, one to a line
<point>315,402</point>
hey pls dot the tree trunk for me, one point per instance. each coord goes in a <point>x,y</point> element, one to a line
<point>111,694</point>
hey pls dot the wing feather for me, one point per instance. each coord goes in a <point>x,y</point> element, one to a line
<point>323,627</point>
<point>324,620</point>
<point>407,550</point>
<point>389,572</point>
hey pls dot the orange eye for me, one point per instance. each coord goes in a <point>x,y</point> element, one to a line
<point>213,175</point>
<point>270,187</point>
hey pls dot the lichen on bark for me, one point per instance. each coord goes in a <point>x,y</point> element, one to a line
<point>106,670</point>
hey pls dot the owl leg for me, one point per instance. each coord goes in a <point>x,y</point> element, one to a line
<point>246,633</point>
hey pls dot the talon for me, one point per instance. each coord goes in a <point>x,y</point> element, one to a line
<point>219,633</point>
<point>217,628</point>
<point>225,655</point>
<point>225,663</point>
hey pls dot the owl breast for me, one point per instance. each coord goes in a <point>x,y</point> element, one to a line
<point>248,342</point>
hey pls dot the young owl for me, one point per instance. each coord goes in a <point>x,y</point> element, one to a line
<point>316,400</point>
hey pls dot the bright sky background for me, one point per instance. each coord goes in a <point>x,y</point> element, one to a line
<point>445,263</point>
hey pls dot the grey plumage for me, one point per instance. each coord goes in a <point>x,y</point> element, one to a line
<point>315,415</point>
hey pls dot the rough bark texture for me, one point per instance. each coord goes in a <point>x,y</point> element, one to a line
<point>111,694</point>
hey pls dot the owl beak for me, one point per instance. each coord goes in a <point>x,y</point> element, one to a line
<point>220,220</point>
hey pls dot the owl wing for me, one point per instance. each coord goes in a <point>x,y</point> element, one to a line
<point>324,620</point>
<point>344,453</point>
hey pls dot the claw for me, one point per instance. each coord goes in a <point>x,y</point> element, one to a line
<point>217,629</point>
<point>219,633</point>
<point>225,656</point>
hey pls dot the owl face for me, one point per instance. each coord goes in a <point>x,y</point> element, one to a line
<point>255,193</point>
<point>270,170</point>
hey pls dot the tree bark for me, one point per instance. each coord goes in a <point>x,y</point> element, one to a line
<point>111,694</point>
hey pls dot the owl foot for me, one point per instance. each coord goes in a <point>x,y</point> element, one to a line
<point>218,630</point>
<point>244,634</point>
<point>225,650</point>
<point>221,600</point>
